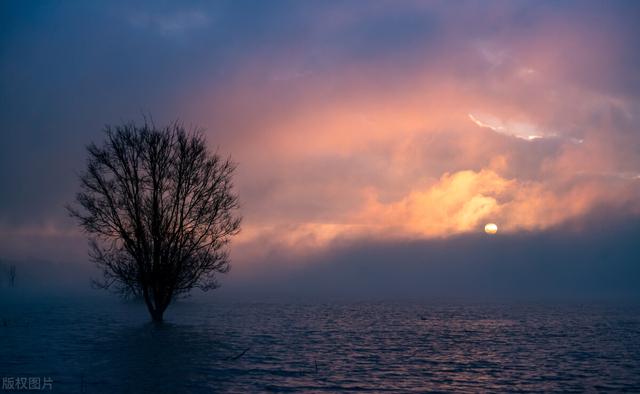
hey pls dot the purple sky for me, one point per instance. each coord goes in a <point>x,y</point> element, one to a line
<point>374,139</point>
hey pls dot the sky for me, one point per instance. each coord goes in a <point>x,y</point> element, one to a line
<point>374,140</point>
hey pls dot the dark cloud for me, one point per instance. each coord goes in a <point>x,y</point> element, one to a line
<point>594,258</point>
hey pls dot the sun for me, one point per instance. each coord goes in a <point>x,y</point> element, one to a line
<point>491,228</point>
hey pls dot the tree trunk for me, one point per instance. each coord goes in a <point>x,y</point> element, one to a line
<point>155,309</point>
<point>156,315</point>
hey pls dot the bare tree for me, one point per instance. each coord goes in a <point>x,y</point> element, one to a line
<point>12,275</point>
<point>160,210</point>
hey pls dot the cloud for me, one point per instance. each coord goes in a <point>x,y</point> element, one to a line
<point>172,23</point>
<point>522,130</point>
<point>591,257</point>
<point>348,122</point>
<point>457,203</point>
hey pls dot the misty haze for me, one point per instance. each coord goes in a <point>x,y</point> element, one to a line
<point>320,196</point>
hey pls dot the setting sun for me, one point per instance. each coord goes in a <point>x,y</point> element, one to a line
<point>491,228</point>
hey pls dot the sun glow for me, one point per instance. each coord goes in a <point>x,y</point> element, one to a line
<point>491,228</point>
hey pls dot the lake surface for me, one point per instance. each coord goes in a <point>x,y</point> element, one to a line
<point>104,347</point>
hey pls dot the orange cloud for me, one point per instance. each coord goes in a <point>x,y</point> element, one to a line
<point>457,203</point>
<point>335,147</point>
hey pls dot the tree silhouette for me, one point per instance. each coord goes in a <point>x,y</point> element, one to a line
<point>12,275</point>
<point>160,211</point>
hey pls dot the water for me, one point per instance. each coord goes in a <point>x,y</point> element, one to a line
<point>103,347</point>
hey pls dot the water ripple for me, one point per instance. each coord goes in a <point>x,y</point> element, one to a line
<point>391,347</point>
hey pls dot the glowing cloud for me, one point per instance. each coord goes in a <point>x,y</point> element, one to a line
<point>411,120</point>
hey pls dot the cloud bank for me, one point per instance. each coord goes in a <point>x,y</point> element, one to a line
<point>404,121</point>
